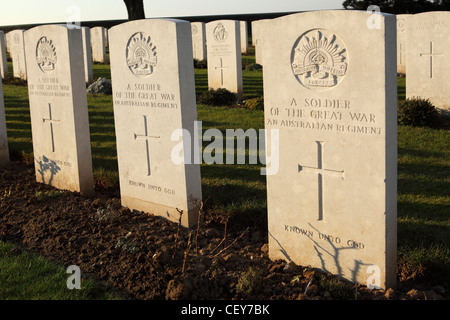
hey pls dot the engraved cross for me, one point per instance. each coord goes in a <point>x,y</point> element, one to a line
<point>320,171</point>
<point>51,121</point>
<point>431,54</point>
<point>146,137</point>
<point>221,71</point>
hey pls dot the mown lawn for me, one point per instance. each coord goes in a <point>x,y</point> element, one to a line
<point>240,191</point>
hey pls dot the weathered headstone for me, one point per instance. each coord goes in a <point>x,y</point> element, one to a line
<point>402,25</point>
<point>4,153</point>
<point>332,98</point>
<point>3,61</point>
<point>198,31</point>
<point>223,39</point>
<point>87,54</point>
<point>17,52</point>
<point>58,108</point>
<point>154,98</point>
<point>428,54</point>
<point>98,44</point>
<point>244,36</point>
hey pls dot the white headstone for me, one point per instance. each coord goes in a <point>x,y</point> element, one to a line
<point>98,44</point>
<point>254,31</point>
<point>154,99</point>
<point>402,25</point>
<point>428,57</point>
<point>58,108</point>
<point>331,97</point>
<point>3,61</point>
<point>87,54</point>
<point>244,36</point>
<point>223,39</point>
<point>198,31</point>
<point>260,35</point>
<point>4,153</point>
<point>17,53</point>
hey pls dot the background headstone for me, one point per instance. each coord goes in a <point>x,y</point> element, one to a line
<point>98,44</point>
<point>198,31</point>
<point>3,60</point>
<point>154,97</point>
<point>58,108</point>
<point>402,25</point>
<point>223,40</point>
<point>428,58</point>
<point>332,98</point>
<point>87,54</point>
<point>244,36</point>
<point>4,151</point>
<point>260,35</point>
<point>17,53</point>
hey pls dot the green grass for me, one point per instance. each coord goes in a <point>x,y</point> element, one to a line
<point>239,191</point>
<point>25,276</point>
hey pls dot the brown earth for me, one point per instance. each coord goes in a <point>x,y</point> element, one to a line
<point>147,257</point>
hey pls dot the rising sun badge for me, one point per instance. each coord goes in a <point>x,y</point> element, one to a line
<point>46,55</point>
<point>319,59</point>
<point>141,55</point>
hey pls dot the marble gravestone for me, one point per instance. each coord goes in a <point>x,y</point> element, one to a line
<point>87,54</point>
<point>244,36</point>
<point>153,86</point>
<point>198,40</point>
<point>17,52</point>
<point>223,40</point>
<point>3,61</point>
<point>428,54</point>
<point>260,35</point>
<point>58,108</point>
<point>331,97</point>
<point>98,44</point>
<point>4,151</point>
<point>402,25</point>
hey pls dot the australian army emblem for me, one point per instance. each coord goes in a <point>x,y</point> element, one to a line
<point>220,33</point>
<point>141,55</point>
<point>46,55</point>
<point>319,59</point>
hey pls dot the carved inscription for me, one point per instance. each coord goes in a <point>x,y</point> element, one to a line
<point>322,114</point>
<point>335,240</point>
<point>151,95</point>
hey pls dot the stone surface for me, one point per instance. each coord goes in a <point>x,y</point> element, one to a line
<point>101,86</point>
<point>17,53</point>
<point>154,99</point>
<point>402,25</point>
<point>3,61</point>
<point>4,150</point>
<point>223,39</point>
<point>87,54</point>
<point>198,31</point>
<point>58,108</point>
<point>331,97</point>
<point>259,34</point>
<point>98,44</point>
<point>244,36</point>
<point>428,52</point>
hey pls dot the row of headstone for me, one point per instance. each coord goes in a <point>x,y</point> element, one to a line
<point>330,98</point>
<point>94,50</point>
<point>423,45</point>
